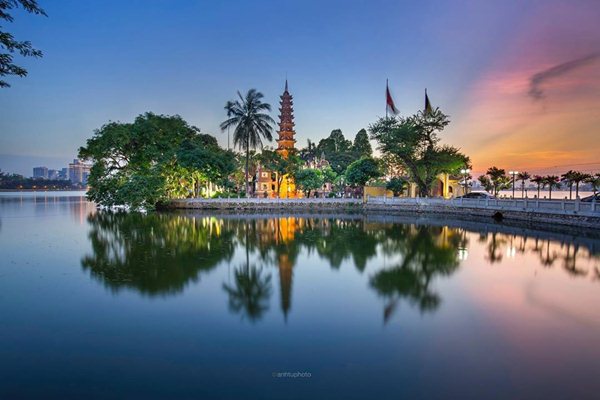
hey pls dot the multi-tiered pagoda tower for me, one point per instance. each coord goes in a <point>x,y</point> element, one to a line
<point>286,132</point>
<point>286,142</point>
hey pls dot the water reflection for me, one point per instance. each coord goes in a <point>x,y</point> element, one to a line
<point>426,252</point>
<point>251,291</point>
<point>159,254</point>
<point>565,250</point>
<point>155,254</point>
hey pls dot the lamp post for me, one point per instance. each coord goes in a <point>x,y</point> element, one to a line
<point>514,176</point>
<point>465,173</point>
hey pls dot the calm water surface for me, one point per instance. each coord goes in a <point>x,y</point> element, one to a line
<point>100,305</point>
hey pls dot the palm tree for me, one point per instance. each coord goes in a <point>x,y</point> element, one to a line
<point>523,176</point>
<point>568,178</point>
<point>538,180</point>
<point>579,177</point>
<point>553,182</point>
<point>594,180</point>
<point>250,122</point>
<point>250,294</point>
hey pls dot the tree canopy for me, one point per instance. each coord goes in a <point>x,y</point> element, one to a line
<point>414,142</point>
<point>362,171</point>
<point>251,122</point>
<point>495,180</point>
<point>397,185</point>
<point>337,150</point>
<point>9,45</point>
<point>362,146</point>
<point>275,162</point>
<point>153,159</point>
<point>309,179</point>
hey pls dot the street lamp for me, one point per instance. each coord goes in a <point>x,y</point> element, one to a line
<point>465,172</point>
<point>514,176</point>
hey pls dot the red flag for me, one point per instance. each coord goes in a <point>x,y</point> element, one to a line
<point>389,101</point>
<point>428,108</point>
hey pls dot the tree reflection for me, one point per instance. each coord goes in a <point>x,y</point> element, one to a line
<point>156,254</point>
<point>251,291</point>
<point>426,252</point>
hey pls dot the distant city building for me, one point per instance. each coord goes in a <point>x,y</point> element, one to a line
<point>40,172</point>
<point>78,172</point>
<point>53,174</point>
<point>64,174</point>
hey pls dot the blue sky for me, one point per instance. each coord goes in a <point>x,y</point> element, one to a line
<point>112,60</point>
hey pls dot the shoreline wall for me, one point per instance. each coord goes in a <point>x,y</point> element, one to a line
<point>435,208</point>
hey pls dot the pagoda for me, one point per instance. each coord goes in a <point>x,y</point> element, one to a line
<point>286,141</point>
<point>286,131</point>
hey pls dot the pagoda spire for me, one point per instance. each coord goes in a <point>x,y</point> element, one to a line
<point>286,132</point>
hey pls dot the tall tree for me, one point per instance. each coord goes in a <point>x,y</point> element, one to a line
<point>362,171</point>
<point>155,158</point>
<point>523,176</point>
<point>498,179</point>
<point>568,179</point>
<point>414,142</point>
<point>594,180</point>
<point>551,182</point>
<point>337,150</point>
<point>309,153</point>
<point>538,180</point>
<point>308,179</point>
<point>9,45</point>
<point>247,115</point>
<point>577,178</point>
<point>362,146</point>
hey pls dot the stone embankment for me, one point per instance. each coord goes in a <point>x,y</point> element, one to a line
<point>561,212</point>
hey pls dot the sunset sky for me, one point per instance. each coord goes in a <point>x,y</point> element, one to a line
<point>520,79</point>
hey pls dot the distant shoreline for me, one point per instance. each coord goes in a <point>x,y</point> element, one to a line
<point>41,190</point>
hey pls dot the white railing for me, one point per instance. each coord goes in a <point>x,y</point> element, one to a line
<point>533,205</point>
<point>269,200</point>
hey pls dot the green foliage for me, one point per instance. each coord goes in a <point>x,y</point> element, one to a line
<point>308,179</point>
<point>397,185</point>
<point>10,45</point>
<point>594,181</point>
<point>156,254</point>
<point>363,170</point>
<point>538,180</point>
<point>309,153</point>
<point>247,115</point>
<point>250,293</point>
<point>329,175</point>
<point>551,182</point>
<point>153,159</point>
<point>495,180</point>
<point>275,162</point>
<point>523,176</point>
<point>362,146</point>
<point>337,150</point>
<point>414,143</point>
<point>571,178</point>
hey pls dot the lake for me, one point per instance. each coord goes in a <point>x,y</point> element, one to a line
<point>188,305</point>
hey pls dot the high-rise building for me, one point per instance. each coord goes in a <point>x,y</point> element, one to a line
<point>78,172</point>
<point>53,174</point>
<point>40,172</point>
<point>64,174</point>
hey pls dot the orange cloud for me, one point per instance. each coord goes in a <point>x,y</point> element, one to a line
<point>538,104</point>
